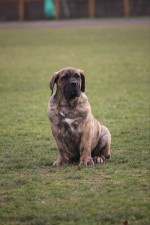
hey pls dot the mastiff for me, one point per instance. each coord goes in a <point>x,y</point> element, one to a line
<point>79,136</point>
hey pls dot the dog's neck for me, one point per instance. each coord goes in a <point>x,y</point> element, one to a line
<point>63,102</point>
<point>73,102</point>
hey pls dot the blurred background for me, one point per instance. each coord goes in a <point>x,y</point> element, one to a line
<point>61,9</point>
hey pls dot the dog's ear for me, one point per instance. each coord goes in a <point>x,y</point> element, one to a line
<point>82,80</point>
<point>53,81</point>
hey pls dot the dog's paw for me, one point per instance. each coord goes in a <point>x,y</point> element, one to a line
<point>99,159</point>
<point>57,163</point>
<point>86,162</point>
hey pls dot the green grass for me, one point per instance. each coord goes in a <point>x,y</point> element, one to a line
<point>116,63</point>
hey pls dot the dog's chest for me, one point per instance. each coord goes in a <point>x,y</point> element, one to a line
<point>69,123</point>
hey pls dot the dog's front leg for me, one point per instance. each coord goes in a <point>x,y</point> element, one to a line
<point>62,154</point>
<point>85,151</point>
<point>62,158</point>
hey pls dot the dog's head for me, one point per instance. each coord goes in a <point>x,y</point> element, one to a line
<point>70,82</point>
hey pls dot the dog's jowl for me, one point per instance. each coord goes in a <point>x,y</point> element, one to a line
<point>79,136</point>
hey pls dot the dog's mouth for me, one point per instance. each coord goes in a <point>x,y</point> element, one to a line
<point>74,93</point>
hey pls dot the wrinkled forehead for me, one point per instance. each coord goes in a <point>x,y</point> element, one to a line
<point>68,70</point>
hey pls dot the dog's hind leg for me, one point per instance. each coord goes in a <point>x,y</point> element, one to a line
<point>102,151</point>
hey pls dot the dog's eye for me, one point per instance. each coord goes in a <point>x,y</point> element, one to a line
<point>77,76</point>
<point>65,77</point>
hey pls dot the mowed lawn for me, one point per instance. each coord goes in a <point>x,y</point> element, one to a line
<point>115,60</point>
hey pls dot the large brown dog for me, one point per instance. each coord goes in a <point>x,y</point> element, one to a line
<point>79,136</point>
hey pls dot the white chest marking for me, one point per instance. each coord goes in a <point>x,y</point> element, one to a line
<point>69,121</point>
<point>61,114</point>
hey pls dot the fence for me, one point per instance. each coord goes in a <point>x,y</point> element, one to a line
<point>34,9</point>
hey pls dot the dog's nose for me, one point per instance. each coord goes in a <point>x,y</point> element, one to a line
<point>73,83</point>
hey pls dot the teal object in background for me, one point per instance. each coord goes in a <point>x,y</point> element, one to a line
<point>49,8</point>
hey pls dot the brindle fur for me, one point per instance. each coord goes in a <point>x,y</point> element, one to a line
<point>79,136</point>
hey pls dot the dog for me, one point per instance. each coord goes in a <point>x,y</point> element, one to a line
<point>79,136</point>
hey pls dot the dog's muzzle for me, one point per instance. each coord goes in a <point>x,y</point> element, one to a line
<point>72,90</point>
